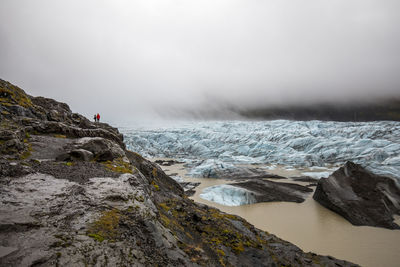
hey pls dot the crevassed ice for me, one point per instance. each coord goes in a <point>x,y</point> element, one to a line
<point>228,195</point>
<point>375,145</point>
<point>213,168</point>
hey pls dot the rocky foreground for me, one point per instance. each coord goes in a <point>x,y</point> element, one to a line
<point>72,195</point>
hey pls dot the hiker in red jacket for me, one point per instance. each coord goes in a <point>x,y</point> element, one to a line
<point>98,117</point>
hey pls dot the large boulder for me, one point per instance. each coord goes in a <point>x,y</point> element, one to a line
<point>88,148</point>
<point>51,104</point>
<point>361,197</point>
<point>102,149</point>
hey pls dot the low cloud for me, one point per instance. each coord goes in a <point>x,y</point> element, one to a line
<point>128,59</point>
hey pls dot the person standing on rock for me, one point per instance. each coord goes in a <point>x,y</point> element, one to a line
<point>95,118</point>
<point>98,117</point>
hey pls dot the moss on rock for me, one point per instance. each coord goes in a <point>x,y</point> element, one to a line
<point>105,227</point>
<point>13,95</point>
<point>118,165</point>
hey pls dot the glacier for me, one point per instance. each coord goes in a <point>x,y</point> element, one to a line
<point>228,195</point>
<point>177,178</point>
<point>375,145</point>
<point>317,175</point>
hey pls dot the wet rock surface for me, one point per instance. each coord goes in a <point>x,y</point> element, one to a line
<point>360,196</point>
<point>189,187</point>
<point>62,206</point>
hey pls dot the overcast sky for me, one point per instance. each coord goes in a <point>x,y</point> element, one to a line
<point>122,58</point>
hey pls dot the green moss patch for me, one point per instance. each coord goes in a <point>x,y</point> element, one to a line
<point>106,227</point>
<point>97,237</point>
<point>154,172</point>
<point>60,136</point>
<point>118,165</point>
<point>153,183</point>
<point>136,156</point>
<point>11,94</point>
<point>27,152</point>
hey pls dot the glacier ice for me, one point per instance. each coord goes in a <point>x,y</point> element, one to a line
<point>212,168</point>
<point>228,195</point>
<point>317,175</point>
<point>177,178</point>
<point>375,145</point>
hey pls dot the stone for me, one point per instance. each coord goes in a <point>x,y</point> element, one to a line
<point>81,154</point>
<point>360,196</point>
<point>101,148</point>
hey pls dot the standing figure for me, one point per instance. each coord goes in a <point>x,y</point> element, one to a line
<point>98,117</point>
<point>95,118</point>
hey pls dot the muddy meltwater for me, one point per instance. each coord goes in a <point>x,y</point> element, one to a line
<point>310,226</point>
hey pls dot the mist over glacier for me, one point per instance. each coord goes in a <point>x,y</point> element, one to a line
<point>139,59</point>
<point>213,145</point>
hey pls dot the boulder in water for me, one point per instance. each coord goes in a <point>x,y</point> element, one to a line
<point>361,197</point>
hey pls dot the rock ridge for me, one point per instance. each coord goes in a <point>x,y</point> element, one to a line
<point>72,195</point>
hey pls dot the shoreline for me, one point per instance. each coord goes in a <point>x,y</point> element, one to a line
<point>309,225</point>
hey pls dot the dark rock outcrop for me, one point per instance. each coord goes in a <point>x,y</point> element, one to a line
<point>304,179</point>
<point>360,196</point>
<point>268,191</point>
<point>72,195</point>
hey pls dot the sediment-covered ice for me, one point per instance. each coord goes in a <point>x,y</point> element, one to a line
<point>375,145</point>
<point>228,195</point>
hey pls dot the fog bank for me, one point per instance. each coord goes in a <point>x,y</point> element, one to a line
<point>128,59</point>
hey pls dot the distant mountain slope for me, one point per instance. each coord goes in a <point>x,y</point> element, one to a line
<point>387,110</point>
